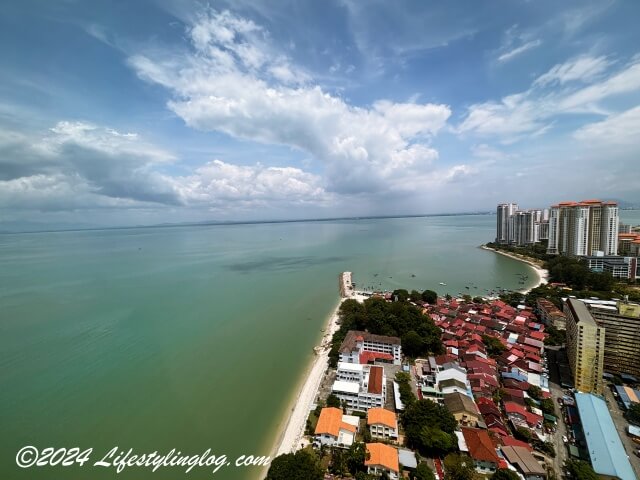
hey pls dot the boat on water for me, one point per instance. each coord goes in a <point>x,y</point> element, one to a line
<point>442,283</point>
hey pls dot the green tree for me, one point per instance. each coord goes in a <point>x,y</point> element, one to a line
<point>547,406</point>
<point>580,470</point>
<point>534,392</point>
<point>435,441</point>
<point>523,434</point>
<point>401,294</point>
<point>457,467</point>
<point>338,465</point>
<point>333,401</point>
<point>493,345</point>
<point>633,414</point>
<point>356,455</point>
<point>423,472</point>
<point>425,413</point>
<point>430,297</point>
<point>415,296</point>
<point>412,344</point>
<point>302,465</point>
<point>505,474</point>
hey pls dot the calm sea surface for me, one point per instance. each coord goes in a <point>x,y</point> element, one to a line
<point>196,337</point>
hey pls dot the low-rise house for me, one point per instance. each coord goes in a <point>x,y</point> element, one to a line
<point>463,408</point>
<point>524,462</point>
<point>481,450</point>
<point>382,458</point>
<point>365,348</point>
<point>335,429</point>
<point>382,423</point>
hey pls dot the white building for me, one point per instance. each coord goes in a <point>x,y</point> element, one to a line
<point>364,348</point>
<point>361,387</point>
<point>451,378</point>
<point>583,228</point>
<point>503,227</point>
<point>335,429</point>
<point>382,458</point>
<point>382,423</point>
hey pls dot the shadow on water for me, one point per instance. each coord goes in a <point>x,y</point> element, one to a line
<point>280,263</point>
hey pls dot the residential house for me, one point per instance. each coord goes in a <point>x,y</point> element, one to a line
<point>382,458</point>
<point>382,423</point>
<point>335,429</point>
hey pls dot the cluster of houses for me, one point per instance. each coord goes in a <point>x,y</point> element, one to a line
<point>486,394</point>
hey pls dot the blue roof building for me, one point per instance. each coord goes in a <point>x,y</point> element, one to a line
<point>605,449</point>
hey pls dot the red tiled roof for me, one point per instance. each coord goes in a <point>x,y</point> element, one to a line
<point>375,380</point>
<point>480,446</point>
<point>510,441</point>
<point>366,357</point>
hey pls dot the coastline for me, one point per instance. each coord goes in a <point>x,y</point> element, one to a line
<point>291,434</point>
<point>543,274</point>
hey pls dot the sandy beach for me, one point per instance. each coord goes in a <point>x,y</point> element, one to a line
<point>543,274</point>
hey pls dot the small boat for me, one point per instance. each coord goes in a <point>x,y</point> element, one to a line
<point>442,283</point>
<point>413,275</point>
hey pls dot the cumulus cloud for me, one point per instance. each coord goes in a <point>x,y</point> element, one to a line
<point>532,112</point>
<point>78,165</point>
<point>232,81</point>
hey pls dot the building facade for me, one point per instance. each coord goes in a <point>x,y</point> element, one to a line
<point>583,228</point>
<point>621,322</point>
<point>585,347</point>
<point>550,314</point>
<point>361,387</point>
<point>503,227</point>
<point>364,347</point>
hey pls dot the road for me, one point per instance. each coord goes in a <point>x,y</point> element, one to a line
<point>556,392</point>
<point>621,424</point>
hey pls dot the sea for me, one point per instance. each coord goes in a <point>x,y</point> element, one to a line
<point>192,338</point>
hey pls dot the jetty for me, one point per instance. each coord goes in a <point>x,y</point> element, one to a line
<point>346,285</point>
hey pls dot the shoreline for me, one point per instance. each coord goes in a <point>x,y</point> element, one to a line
<point>291,434</point>
<point>543,273</point>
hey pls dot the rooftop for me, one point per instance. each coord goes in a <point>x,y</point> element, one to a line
<point>375,380</point>
<point>605,449</point>
<point>349,342</point>
<point>382,416</point>
<point>458,403</point>
<point>480,445</point>
<point>522,459</point>
<point>580,312</point>
<point>383,455</point>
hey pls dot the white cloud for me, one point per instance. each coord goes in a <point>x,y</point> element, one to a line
<point>532,112</point>
<point>583,68</point>
<point>515,43</point>
<point>622,129</point>
<point>224,84</point>
<point>78,166</point>
<point>509,55</point>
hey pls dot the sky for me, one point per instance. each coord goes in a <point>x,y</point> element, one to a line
<point>157,111</point>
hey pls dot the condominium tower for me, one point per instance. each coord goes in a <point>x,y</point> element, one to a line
<point>585,347</point>
<point>583,228</point>
<point>503,228</point>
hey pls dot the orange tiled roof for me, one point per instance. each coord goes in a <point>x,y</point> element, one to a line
<point>329,422</point>
<point>383,455</point>
<point>382,416</point>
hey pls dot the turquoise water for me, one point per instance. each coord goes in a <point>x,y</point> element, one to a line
<point>194,337</point>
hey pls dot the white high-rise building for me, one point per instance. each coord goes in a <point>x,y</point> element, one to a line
<point>584,228</point>
<point>504,227</point>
